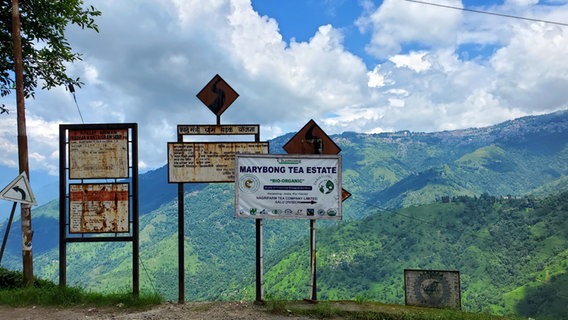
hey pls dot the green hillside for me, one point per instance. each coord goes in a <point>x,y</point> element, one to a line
<point>512,255</point>
<point>487,202</point>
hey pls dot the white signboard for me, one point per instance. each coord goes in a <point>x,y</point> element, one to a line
<point>288,186</point>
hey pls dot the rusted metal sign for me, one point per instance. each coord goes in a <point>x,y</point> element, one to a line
<point>345,194</point>
<point>207,161</point>
<point>99,208</point>
<point>311,139</point>
<point>432,288</point>
<point>98,153</point>
<point>217,95</point>
<point>237,129</point>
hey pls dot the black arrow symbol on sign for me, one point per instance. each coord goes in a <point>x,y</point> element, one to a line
<point>20,190</point>
<point>312,202</point>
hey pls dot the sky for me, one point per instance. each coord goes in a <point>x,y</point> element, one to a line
<point>350,65</point>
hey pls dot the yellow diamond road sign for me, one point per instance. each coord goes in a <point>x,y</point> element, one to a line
<point>19,190</point>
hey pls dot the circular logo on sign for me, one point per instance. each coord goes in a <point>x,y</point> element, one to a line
<point>249,183</point>
<point>432,288</point>
<point>326,186</point>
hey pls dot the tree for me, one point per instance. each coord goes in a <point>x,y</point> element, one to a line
<point>45,50</point>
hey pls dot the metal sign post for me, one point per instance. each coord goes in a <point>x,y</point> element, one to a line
<point>211,162</point>
<point>7,231</point>
<point>98,189</point>
<point>311,139</point>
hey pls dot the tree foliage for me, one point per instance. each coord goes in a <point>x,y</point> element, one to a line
<point>45,49</point>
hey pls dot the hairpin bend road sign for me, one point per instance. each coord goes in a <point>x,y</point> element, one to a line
<point>217,95</point>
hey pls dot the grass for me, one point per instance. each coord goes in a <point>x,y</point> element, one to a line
<point>47,293</point>
<point>372,311</point>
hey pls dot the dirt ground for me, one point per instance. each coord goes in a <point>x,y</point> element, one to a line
<point>165,311</point>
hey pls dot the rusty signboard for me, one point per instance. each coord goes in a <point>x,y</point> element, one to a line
<point>207,161</point>
<point>345,194</point>
<point>217,95</point>
<point>231,129</point>
<point>432,288</point>
<point>311,139</point>
<point>98,153</point>
<point>99,208</point>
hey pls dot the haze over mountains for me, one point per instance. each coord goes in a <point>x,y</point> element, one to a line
<point>488,202</point>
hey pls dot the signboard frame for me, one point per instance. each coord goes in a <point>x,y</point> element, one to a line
<point>283,186</point>
<point>218,129</point>
<point>103,138</point>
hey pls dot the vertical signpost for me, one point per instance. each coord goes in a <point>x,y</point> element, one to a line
<point>210,161</point>
<point>23,163</point>
<point>98,189</point>
<point>311,139</point>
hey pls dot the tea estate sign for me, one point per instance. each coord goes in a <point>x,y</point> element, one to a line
<point>288,186</point>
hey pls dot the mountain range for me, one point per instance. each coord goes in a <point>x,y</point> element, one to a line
<point>488,202</point>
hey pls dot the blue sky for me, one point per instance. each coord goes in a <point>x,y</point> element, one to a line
<point>351,65</point>
<point>300,20</point>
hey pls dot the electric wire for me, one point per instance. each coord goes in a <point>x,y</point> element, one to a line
<point>150,280</point>
<point>72,90</point>
<point>489,13</point>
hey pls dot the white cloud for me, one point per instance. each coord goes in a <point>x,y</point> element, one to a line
<point>397,23</point>
<point>413,61</point>
<point>531,73</point>
<point>150,60</point>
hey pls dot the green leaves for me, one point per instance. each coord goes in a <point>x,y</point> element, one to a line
<point>45,49</point>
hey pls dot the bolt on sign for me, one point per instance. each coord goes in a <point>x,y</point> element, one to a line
<point>99,208</point>
<point>98,153</point>
<point>207,161</point>
<point>432,288</point>
<point>288,186</point>
<point>217,95</point>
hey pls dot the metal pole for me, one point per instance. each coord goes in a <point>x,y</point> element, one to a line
<point>7,231</point>
<point>259,264</point>
<point>181,256</point>
<point>135,215</point>
<point>181,241</point>
<point>62,206</point>
<point>27,233</point>
<point>314,296</point>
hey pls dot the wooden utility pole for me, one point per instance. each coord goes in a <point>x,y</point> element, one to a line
<point>22,145</point>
